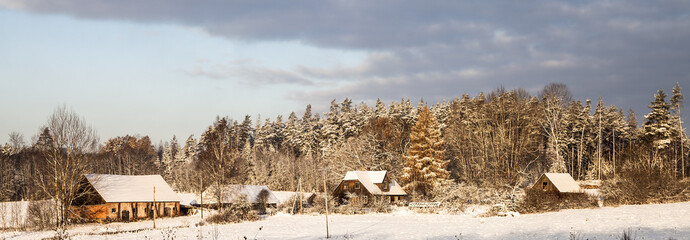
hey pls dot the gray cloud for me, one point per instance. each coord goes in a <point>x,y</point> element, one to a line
<point>248,72</point>
<point>621,50</point>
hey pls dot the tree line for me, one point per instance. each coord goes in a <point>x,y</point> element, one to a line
<point>502,138</point>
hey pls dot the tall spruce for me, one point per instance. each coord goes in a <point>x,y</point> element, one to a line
<point>657,128</point>
<point>425,166</point>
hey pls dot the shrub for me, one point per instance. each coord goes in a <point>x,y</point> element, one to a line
<point>642,186</point>
<point>239,211</point>
<point>320,206</point>
<point>40,214</point>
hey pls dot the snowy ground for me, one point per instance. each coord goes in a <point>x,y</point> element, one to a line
<point>662,221</point>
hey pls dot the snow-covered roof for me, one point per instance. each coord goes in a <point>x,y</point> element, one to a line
<point>285,196</point>
<point>374,176</point>
<point>131,188</point>
<point>232,191</point>
<point>369,179</point>
<point>188,199</point>
<point>563,182</point>
<point>395,189</point>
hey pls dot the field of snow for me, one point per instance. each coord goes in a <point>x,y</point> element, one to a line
<point>662,221</point>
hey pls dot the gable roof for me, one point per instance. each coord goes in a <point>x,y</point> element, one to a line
<point>231,192</point>
<point>131,188</point>
<point>188,199</point>
<point>563,182</point>
<point>369,179</point>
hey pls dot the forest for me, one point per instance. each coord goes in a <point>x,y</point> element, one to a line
<point>500,139</point>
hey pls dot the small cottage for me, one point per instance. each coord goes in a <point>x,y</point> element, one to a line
<point>123,197</point>
<point>287,197</point>
<point>366,184</point>
<point>560,183</point>
<point>254,194</point>
<point>188,203</point>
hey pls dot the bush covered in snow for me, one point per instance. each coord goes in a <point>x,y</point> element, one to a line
<point>642,186</point>
<point>455,196</point>
<point>239,211</point>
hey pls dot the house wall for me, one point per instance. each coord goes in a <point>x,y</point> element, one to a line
<point>341,191</point>
<point>385,184</point>
<point>545,184</point>
<point>89,212</point>
<point>127,210</point>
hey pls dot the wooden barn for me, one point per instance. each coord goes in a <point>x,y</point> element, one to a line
<point>366,184</point>
<point>559,183</point>
<point>123,197</point>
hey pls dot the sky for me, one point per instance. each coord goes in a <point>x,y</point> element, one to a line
<point>162,68</point>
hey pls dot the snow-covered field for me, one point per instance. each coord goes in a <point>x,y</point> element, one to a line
<point>662,221</point>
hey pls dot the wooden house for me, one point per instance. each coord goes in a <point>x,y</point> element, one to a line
<point>559,183</point>
<point>122,197</point>
<point>366,184</point>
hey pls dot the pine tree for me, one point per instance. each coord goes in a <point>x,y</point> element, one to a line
<point>425,166</point>
<point>657,127</point>
<point>381,109</point>
<point>190,149</point>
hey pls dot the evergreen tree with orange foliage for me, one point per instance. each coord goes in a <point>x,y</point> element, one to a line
<point>425,167</point>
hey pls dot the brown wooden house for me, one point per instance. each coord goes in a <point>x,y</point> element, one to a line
<point>122,197</point>
<point>367,184</point>
<point>559,183</point>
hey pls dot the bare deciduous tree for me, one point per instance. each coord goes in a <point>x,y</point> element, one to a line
<point>65,160</point>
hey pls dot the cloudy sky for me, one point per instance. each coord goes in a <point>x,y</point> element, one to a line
<point>165,67</point>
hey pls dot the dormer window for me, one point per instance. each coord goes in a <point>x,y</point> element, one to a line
<point>385,186</point>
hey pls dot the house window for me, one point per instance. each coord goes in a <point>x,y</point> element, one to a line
<point>543,185</point>
<point>385,186</point>
<point>356,185</point>
<point>114,210</point>
<point>345,187</point>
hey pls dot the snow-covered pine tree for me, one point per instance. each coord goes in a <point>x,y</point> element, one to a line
<point>246,134</point>
<point>656,128</point>
<point>278,133</point>
<point>291,133</point>
<point>425,166</point>
<point>349,124</point>
<point>308,136</point>
<point>190,149</point>
<point>332,131</point>
<point>381,109</point>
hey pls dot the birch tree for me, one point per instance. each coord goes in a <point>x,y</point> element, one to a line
<point>66,159</point>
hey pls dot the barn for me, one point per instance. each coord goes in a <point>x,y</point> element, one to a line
<point>366,184</point>
<point>560,183</point>
<point>124,198</point>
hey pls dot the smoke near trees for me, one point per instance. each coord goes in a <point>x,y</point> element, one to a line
<point>505,137</point>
